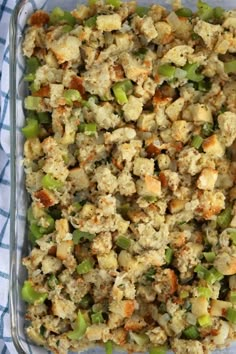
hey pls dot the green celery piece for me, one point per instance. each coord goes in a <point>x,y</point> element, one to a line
<point>184,12</point>
<point>230,67</point>
<point>205,292</point>
<point>71,95</point>
<point>79,236</point>
<point>232,296</point>
<point>44,117</point>
<point>123,242</point>
<point>197,142</point>
<point>205,321</point>
<point>35,233</point>
<point>86,302</point>
<point>167,70</point>
<point>218,12</point>
<point>158,350</point>
<point>97,317</point>
<point>32,64</point>
<point>209,256</point>
<point>34,87</point>
<point>231,315</point>
<point>32,103</point>
<point>91,22</point>
<point>51,225</point>
<point>31,129</point>
<point>232,235</point>
<point>80,328</point>
<point>224,218</point>
<point>30,295</point>
<point>56,15</point>
<point>169,255</point>
<point>141,11</point>
<point>69,19</point>
<point>150,274</point>
<point>109,347</point>
<point>52,281</point>
<point>67,28</point>
<point>213,275</point>
<point>84,267</point>
<point>201,271</point>
<point>207,129</point>
<point>205,11</point>
<point>139,338</point>
<point>29,77</point>
<point>50,182</point>
<point>191,332</point>
<point>120,89</point>
<point>115,3</point>
<point>192,75</point>
<point>184,294</point>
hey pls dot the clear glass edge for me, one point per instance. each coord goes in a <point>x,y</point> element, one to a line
<point>13,282</point>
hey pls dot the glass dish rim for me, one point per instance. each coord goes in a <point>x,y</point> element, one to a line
<point>13,187</point>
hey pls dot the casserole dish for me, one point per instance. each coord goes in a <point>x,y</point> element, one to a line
<point>19,202</point>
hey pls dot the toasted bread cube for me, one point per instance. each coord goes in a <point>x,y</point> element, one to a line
<point>109,23</point>
<point>207,179</point>
<point>213,146</point>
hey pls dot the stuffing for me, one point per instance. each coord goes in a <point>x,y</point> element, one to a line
<point>66,48</point>
<point>108,23</point>
<point>208,32</point>
<point>207,179</point>
<point>106,181</point>
<point>130,165</point>
<point>227,125</point>
<point>178,55</point>
<point>105,116</point>
<point>132,109</point>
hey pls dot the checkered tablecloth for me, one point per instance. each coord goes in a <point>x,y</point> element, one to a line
<point>6,7</point>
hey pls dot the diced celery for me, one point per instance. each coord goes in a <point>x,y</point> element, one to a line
<point>80,328</point>
<point>209,256</point>
<point>79,236</point>
<point>91,22</point>
<point>123,242</point>
<point>230,67</point>
<point>204,292</point>
<point>191,332</point>
<point>205,11</point>
<point>139,338</point>
<point>32,64</point>
<point>197,142</point>
<point>192,75</point>
<point>231,315</point>
<point>114,3</point>
<point>205,321</point>
<point>232,235</point>
<point>167,70</point>
<point>184,294</point>
<point>58,15</point>
<point>184,12</point>
<point>44,117</point>
<point>67,28</point>
<point>86,302</point>
<point>169,255</point>
<point>29,77</point>
<point>158,350</point>
<point>85,266</point>
<point>68,18</point>
<point>232,296</point>
<point>32,103</point>
<point>30,295</point>
<point>31,129</point>
<point>213,275</point>
<point>224,218</point>
<point>71,95</point>
<point>52,281</point>
<point>218,12</point>
<point>109,347</point>
<point>201,271</point>
<point>120,95</point>
<point>97,318</point>
<point>207,129</point>
<point>141,11</point>
<point>51,225</point>
<point>49,182</point>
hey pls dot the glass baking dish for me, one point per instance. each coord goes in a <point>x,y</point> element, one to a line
<point>19,198</point>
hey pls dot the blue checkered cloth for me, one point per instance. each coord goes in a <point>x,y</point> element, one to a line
<point>6,345</point>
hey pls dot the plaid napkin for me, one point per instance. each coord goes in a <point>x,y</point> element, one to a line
<point>6,7</point>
